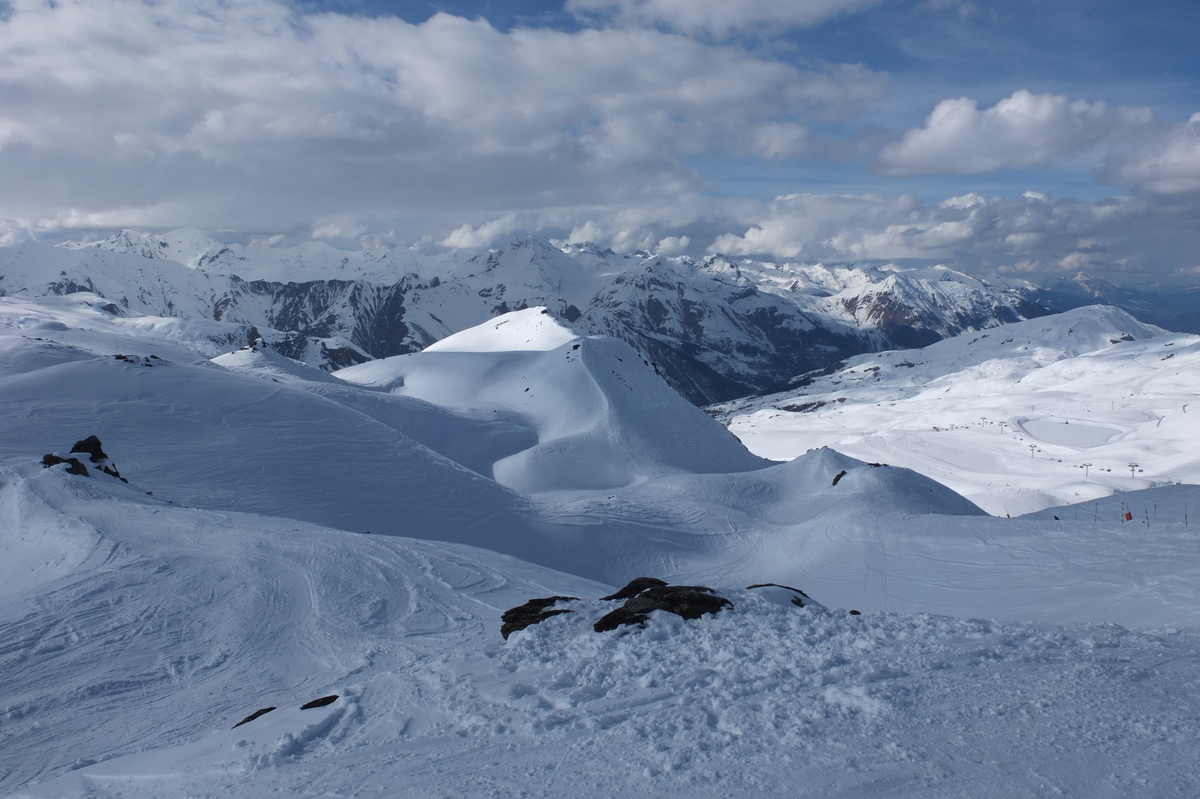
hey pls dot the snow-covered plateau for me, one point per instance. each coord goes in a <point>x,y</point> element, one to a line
<point>262,533</point>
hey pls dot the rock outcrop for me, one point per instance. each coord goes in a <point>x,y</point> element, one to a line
<point>91,447</point>
<point>532,612</point>
<point>688,601</point>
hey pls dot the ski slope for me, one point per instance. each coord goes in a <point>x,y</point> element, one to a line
<point>141,621</point>
<point>128,669</point>
<point>577,459</point>
<point>1047,412</point>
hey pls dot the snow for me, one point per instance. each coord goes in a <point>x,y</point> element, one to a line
<point>1046,412</point>
<point>1062,433</point>
<point>601,417</point>
<point>993,657</point>
<point>528,329</point>
<point>262,361</point>
<point>188,620</point>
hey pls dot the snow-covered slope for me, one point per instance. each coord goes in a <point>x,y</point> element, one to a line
<point>130,659</point>
<point>139,628</point>
<point>625,477</point>
<point>1045,412</point>
<point>532,329</point>
<point>603,471</point>
<point>601,416</point>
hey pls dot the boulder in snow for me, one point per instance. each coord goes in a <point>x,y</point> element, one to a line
<point>532,612</point>
<point>688,601</point>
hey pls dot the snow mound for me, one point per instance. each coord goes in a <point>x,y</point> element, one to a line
<point>602,417</point>
<point>258,359</point>
<point>528,329</point>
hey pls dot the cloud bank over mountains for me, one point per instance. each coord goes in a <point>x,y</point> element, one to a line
<point>655,124</point>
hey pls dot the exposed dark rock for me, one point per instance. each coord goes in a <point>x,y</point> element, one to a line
<point>322,702</point>
<point>644,595</point>
<point>688,601</point>
<point>803,407</point>
<point>532,612</point>
<point>855,613</point>
<point>76,466</point>
<point>260,712</point>
<point>837,477</point>
<point>91,447</point>
<point>796,600</point>
<point>635,586</point>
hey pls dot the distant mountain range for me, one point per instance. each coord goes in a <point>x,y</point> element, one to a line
<point>716,328</point>
<point>1174,308</point>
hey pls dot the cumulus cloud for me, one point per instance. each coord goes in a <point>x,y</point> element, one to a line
<point>589,231</point>
<point>1023,131</point>
<point>248,114</point>
<point>1034,232</point>
<point>718,18</point>
<point>1169,167</point>
<point>672,245</point>
<point>469,237</point>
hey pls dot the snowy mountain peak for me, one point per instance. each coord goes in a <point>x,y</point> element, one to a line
<point>187,246</point>
<point>527,329</point>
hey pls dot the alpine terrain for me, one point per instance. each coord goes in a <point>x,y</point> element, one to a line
<point>304,522</point>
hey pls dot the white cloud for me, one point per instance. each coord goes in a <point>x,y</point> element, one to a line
<point>339,227</point>
<point>718,18</point>
<point>672,245</point>
<point>1023,131</point>
<point>589,231</point>
<point>468,237</point>
<point>13,231</point>
<point>247,114</point>
<point>1033,232</point>
<point>1170,167</point>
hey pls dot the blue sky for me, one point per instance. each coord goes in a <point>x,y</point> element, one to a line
<point>1016,137</point>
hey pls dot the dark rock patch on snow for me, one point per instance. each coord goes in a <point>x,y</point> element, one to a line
<point>260,712</point>
<point>783,592</point>
<point>688,601</point>
<point>76,466</point>
<point>635,586</point>
<point>92,447</point>
<point>532,612</point>
<point>322,702</point>
<point>644,595</point>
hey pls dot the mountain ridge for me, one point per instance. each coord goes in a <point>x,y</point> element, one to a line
<point>718,328</point>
